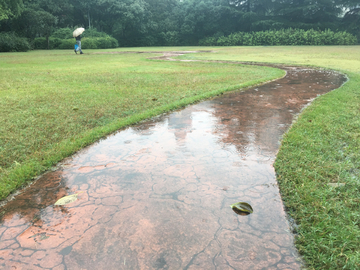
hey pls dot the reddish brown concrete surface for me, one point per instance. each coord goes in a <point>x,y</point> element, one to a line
<point>158,195</point>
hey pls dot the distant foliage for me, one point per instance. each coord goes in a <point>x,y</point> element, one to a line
<point>41,43</point>
<point>10,42</point>
<point>63,33</point>
<point>282,37</point>
<point>90,43</point>
<point>170,38</point>
<point>136,23</point>
<point>63,39</point>
<point>93,32</point>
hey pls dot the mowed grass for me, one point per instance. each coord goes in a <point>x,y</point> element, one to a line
<point>53,103</point>
<point>321,148</point>
<point>73,107</point>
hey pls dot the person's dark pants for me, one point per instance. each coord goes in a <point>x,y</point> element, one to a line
<point>78,42</point>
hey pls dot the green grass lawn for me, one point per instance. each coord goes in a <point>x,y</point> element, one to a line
<point>319,152</point>
<point>53,103</point>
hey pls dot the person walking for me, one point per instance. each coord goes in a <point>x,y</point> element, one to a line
<point>77,35</point>
<point>78,42</point>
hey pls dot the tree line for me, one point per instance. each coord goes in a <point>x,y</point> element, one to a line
<point>175,22</point>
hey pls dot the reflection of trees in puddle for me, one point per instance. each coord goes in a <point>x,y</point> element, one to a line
<point>144,129</point>
<point>35,205</point>
<point>180,123</point>
<point>247,123</point>
<point>254,120</point>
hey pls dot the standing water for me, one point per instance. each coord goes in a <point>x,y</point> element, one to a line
<point>158,195</point>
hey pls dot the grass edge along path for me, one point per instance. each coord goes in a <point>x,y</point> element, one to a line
<point>21,175</point>
<point>322,148</point>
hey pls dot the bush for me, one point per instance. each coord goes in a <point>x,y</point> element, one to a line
<point>209,41</point>
<point>63,39</point>
<point>67,33</point>
<point>67,44</point>
<point>170,38</point>
<point>10,42</point>
<point>63,33</point>
<point>93,32</point>
<point>90,43</point>
<point>282,37</point>
<point>107,43</point>
<point>41,43</point>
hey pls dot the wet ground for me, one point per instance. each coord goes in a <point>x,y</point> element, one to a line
<point>158,195</point>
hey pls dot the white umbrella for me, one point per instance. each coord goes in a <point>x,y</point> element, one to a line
<point>78,32</point>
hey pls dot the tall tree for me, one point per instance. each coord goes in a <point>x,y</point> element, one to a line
<point>261,7</point>
<point>351,18</point>
<point>87,10</point>
<point>32,23</point>
<point>10,9</point>
<point>312,12</point>
<point>175,22</point>
<point>63,10</point>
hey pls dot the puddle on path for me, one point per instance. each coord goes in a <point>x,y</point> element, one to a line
<point>158,195</point>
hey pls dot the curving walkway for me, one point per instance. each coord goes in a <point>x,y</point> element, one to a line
<point>157,195</point>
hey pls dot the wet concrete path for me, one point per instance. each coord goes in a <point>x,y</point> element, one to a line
<point>157,195</point>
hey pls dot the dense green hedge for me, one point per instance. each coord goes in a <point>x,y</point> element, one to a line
<point>10,42</point>
<point>62,39</point>
<point>62,33</point>
<point>86,43</point>
<point>41,43</point>
<point>282,37</point>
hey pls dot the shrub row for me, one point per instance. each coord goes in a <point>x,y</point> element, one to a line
<point>86,43</point>
<point>282,37</point>
<point>10,42</point>
<point>66,33</point>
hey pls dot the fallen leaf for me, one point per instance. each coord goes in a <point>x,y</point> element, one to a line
<point>242,208</point>
<point>43,237</point>
<point>67,199</point>
<point>33,236</point>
